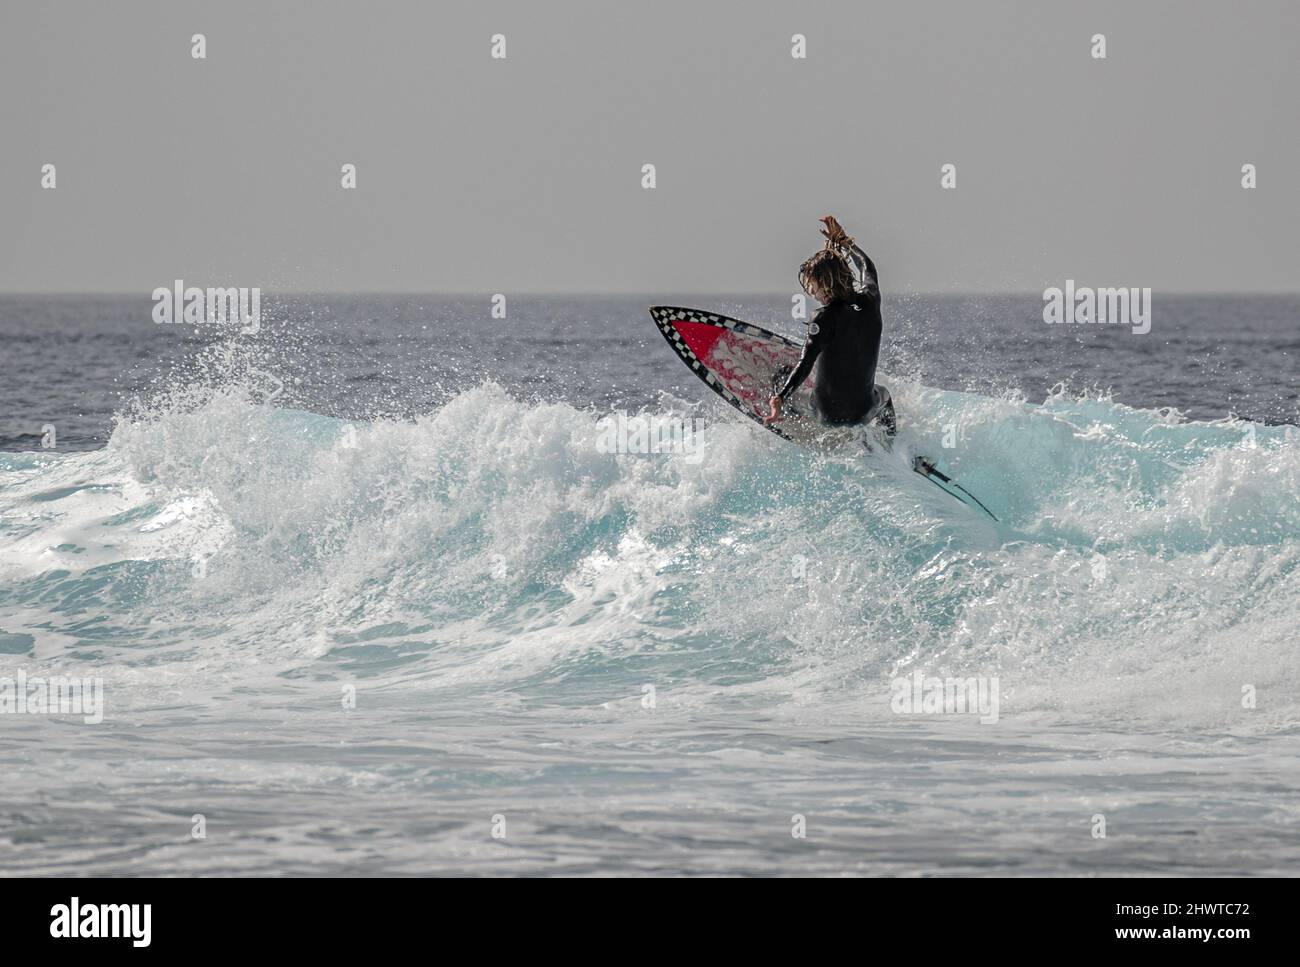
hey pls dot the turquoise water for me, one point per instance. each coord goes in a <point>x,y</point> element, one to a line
<point>365,646</point>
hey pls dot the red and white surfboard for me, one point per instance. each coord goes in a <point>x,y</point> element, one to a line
<point>739,362</point>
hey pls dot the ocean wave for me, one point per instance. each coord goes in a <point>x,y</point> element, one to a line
<point>1144,566</point>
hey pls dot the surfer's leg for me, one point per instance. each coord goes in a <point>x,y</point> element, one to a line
<point>882,411</point>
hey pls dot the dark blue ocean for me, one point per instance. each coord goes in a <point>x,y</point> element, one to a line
<point>72,360</point>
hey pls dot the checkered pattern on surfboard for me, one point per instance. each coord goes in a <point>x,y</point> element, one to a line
<point>740,359</point>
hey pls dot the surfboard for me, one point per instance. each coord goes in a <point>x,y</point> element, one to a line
<point>742,363</point>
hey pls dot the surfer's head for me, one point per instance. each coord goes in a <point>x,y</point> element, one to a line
<point>826,277</point>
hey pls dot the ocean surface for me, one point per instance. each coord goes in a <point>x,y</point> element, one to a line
<point>366,594</point>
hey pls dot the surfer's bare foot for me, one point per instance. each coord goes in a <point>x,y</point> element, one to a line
<point>775,404</point>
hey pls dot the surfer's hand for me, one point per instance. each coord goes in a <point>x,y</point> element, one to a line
<point>836,237</point>
<point>775,404</point>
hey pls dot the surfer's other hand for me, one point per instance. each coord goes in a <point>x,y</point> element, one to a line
<point>775,404</point>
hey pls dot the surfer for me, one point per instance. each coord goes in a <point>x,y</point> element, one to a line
<point>843,337</point>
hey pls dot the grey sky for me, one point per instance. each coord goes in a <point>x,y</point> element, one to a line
<point>524,175</point>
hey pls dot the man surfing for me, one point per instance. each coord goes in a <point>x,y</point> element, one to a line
<point>843,341</point>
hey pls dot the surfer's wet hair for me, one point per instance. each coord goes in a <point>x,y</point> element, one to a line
<point>827,276</point>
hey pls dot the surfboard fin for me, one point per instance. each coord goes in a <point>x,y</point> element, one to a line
<point>927,469</point>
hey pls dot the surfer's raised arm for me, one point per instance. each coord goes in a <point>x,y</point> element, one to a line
<point>865,269</point>
<point>868,281</point>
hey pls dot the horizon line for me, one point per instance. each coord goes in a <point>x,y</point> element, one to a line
<point>92,293</point>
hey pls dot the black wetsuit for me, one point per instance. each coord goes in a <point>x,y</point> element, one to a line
<point>844,344</point>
